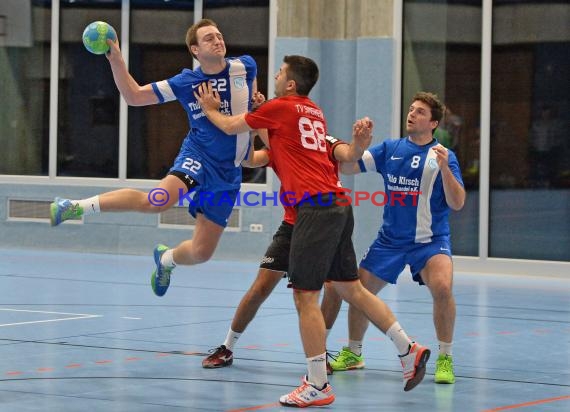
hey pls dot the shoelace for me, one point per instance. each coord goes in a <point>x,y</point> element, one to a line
<point>346,355</point>
<point>70,209</point>
<point>299,390</point>
<point>216,350</point>
<point>445,365</point>
<point>333,355</point>
<point>163,280</point>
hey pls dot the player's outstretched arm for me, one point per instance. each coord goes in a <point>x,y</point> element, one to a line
<point>132,92</point>
<point>209,100</point>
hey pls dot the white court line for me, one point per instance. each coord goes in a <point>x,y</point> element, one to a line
<point>75,316</point>
<point>129,317</point>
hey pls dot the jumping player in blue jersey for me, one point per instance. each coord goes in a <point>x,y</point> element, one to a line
<point>208,164</point>
<point>422,181</point>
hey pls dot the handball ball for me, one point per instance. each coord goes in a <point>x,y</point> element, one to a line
<point>95,37</point>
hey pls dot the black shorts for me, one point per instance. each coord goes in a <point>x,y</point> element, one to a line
<point>277,254</point>
<point>321,246</point>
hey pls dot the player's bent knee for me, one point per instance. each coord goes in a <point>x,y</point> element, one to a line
<point>202,254</point>
<point>156,209</point>
<point>442,290</point>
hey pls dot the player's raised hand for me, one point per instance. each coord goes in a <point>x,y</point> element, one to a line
<point>441,155</point>
<point>114,50</point>
<point>257,100</point>
<point>208,98</point>
<point>362,132</point>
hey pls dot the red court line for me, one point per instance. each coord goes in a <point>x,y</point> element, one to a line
<point>255,408</point>
<point>522,405</point>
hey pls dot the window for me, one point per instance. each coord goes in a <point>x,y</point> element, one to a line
<point>88,102</point>
<point>530,115</point>
<point>442,55</point>
<point>24,88</point>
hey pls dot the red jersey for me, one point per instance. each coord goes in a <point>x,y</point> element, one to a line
<point>290,214</point>
<point>297,136</point>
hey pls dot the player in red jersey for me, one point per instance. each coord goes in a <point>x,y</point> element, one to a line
<point>321,244</point>
<point>275,263</point>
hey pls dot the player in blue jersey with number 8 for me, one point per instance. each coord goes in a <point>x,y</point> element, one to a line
<point>423,182</point>
<point>208,164</point>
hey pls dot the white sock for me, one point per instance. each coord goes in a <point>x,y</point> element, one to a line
<point>317,370</point>
<point>355,346</point>
<point>445,348</point>
<point>397,335</point>
<point>167,259</point>
<point>231,339</point>
<point>90,206</point>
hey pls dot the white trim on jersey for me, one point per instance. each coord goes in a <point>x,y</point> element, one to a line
<point>423,213</point>
<point>368,161</point>
<point>239,93</point>
<point>165,90</point>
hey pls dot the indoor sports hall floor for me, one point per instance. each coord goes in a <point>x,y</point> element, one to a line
<point>85,332</point>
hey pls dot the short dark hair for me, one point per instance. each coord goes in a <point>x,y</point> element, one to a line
<point>303,71</point>
<point>436,107</point>
<point>192,38</point>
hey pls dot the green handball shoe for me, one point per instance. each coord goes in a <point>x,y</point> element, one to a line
<point>346,360</point>
<point>63,209</point>
<point>160,278</point>
<point>444,369</point>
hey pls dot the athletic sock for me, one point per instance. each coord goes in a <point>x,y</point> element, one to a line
<point>167,259</point>
<point>90,206</point>
<point>445,348</point>
<point>397,335</point>
<point>317,370</point>
<point>355,346</point>
<point>231,339</point>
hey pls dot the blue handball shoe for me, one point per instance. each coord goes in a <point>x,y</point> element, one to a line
<point>61,210</point>
<point>160,279</point>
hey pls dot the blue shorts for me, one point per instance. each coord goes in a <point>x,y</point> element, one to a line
<point>387,261</point>
<point>215,187</point>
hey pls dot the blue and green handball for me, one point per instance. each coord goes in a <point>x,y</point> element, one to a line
<point>95,37</point>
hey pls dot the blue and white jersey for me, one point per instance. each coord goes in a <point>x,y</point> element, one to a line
<point>234,84</point>
<point>415,209</point>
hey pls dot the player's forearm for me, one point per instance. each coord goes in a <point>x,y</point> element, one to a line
<point>349,168</point>
<point>228,124</point>
<point>351,152</point>
<point>454,192</point>
<point>258,158</point>
<point>131,91</point>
